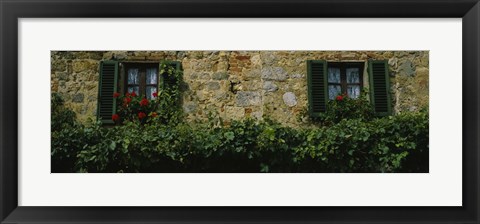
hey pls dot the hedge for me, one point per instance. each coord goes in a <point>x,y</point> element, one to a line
<point>389,144</point>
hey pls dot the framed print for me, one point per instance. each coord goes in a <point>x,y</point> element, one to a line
<point>224,111</point>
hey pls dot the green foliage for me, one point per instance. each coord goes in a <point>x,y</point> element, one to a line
<point>66,135</point>
<point>61,117</point>
<point>350,140</point>
<point>344,107</point>
<point>389,144</point>
<point>169,96</point>
<point>163,108</point>
<point>133,108</point>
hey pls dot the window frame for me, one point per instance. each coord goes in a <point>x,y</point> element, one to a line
<point>343,75</point>
<point>142,66</point>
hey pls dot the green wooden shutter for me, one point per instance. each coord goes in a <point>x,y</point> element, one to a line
<point>317,87</point>
<point>107,105</point>
<point>380,87</point>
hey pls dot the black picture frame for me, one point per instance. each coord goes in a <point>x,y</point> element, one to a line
<point>12,10</point>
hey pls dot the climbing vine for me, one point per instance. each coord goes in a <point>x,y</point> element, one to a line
<point>163,107</point>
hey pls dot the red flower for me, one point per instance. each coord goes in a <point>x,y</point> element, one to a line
<point>115,95</point>
<point>339,98</point>
<point>144,102</point>
<point>127,100</point>
<point>141,115</point>
<point>155,94</point>
<point>115,117</point>
<point>133,94</point>
<point>154,114</point>
<point>127,94</point>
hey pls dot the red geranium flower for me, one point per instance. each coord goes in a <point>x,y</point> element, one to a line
<point>127,100</point>
<point>133,94</point>
<point>115,95</point>
<point>115,117</point>
<point>141,115</point>
<point>155,94</point>
<point>144,102</point>
<point>339,98</point>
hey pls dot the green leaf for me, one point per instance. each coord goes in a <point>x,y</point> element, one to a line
<point>229,135</point>
<point>112,145</point>
<point>126,143</point>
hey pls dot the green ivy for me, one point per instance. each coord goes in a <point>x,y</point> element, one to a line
<point>344,107</point>
<point>168,108</point>
<point>364,144</point>
<point>162,108</point>
<point>66,134</point>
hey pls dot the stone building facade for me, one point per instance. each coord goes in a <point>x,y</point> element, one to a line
<point>239,84</point>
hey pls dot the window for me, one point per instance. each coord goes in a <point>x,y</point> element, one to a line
<point>141,78</point>
<point>344,78</point>
<point>328,79</point>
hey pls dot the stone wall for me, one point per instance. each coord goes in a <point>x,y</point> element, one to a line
<point>239,84</point>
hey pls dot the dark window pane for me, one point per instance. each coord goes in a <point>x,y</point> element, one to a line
<point>353,75</point>
<point>151,76</point>
<point>133,76</point>
<point>334,75</point>
<point>150,90</point>
<point>135,89</point>
<point>333,91</point>
<point>353,91</point>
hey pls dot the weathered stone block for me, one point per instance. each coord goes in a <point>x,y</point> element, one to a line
<point>190,107</point>
<point>234,113</point>
<point>119,55</point>
<point>78,98</point>
<point>248,98</point>
<point>252,85</point>
<point>213,86</point>
<point>393,62</point>
<point>95,55</point>
<point>92,98</point>
<point>220,75</point>
<point>54,86</point>
<point>204,76</point>
<point>256,61</point>
<point>350,56</point>
<point>220,95</point>
<point>274,73</point>
<point>257,115</point>
<point>201,95</point>
<point>407,68</point>
<point>85,65</point>
<point>268,57</point>
<point>65,54</point>
<point>62,76</point>
<point>59,66</point>
<point>253,74</point>
<point>243,57</point>
<point>421,77</point>
<point>297,76</point>
<point>181,54</point>
<point>222,66</point>
<point>290,99</point>
<point>269,86</point>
